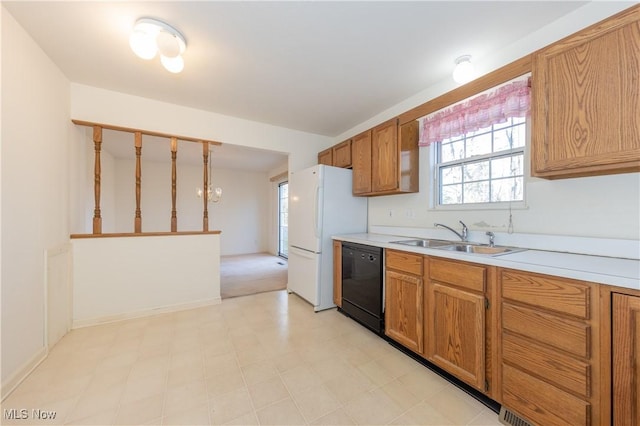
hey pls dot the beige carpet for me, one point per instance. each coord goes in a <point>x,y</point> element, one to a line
<point>251,273</point>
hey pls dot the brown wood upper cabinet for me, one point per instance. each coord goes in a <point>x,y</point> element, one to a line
<point>385,159</point>
<point>342,154</point>
<point>326,157</point>
<point>361,163</point>
<point>338,155</point>
<point>586,102</point>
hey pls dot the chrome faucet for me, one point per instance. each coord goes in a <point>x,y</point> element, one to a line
<point>465,231</point>
<point>491,238</point>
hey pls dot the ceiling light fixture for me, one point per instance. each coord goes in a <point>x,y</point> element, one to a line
<point>464,70</point>
<point>151,36</point>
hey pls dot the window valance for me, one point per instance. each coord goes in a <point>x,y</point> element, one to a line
<point>492,107</point>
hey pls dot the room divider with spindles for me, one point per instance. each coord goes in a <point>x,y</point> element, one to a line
<point>137,144</point>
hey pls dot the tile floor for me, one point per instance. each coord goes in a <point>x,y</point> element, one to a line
<point>263,359</point>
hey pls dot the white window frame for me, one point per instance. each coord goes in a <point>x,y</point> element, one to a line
<point>434,199</point>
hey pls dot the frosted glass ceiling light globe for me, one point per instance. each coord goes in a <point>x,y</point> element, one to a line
<point>143,44</point>
<point>151,36</point>
<point>174,65</point>
<point>170,45</point>
<point>464,70</point>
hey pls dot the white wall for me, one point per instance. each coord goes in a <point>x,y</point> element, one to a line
<point>607,206</point>
<point>243,212</point>
<point>273,207</point>
<point>180,271</point>
<point>602,206</point>
<point>105,106</point>
<point>35,190</point>
<point>155,196</point>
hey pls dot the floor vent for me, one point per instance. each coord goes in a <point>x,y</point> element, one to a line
<point>508,417</point>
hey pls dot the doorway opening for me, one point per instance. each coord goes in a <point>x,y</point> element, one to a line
<point>283,220</point>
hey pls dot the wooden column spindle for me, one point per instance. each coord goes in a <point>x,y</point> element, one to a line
<point>138,145</point>
<point>174,155</point>
<point>97,144</point>
<point>205,213</point>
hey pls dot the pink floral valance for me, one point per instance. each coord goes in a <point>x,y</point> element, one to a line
<point>511,100</point>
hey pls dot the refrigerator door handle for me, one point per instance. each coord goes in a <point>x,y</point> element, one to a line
<point>315,212</point>
<point>302,252</point>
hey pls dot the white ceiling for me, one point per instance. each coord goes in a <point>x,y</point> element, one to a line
<point>316,66</point>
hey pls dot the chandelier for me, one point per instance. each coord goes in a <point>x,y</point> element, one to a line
<point>214,195</point>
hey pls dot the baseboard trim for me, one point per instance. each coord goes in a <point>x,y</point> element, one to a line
<point>145,313</point>
<point>23,372</point>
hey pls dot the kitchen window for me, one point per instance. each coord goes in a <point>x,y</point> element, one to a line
<point>484,166</point>
<point>478,147</point>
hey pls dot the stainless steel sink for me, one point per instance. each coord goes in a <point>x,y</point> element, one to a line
<point>459,247</point>
<point>423,243</point>
<point>480,249</point>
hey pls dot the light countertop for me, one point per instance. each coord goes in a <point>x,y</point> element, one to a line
<point>599,269</point>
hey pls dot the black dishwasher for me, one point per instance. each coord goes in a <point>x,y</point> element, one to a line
<point>362,285</point>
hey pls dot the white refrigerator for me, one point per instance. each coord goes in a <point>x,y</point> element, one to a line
<point>321,205</point>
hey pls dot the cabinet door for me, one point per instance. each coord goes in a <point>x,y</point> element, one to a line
<point>326,157</point>
<point>457,333</point>
<point>384,157</point>
<point>409,157</point>
<point>626,360</point>
<point>403,309</point>
<point>337,273</point>
<point>342,154</point>
<point>361,163</point>
<point>585,101</point>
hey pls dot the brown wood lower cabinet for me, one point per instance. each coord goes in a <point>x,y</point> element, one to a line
<point>403,299</point>
<point>550,349</point>
<point>626,359</point>
<point>555,351</point>
<point>337,273</point>
<point>455,324</point>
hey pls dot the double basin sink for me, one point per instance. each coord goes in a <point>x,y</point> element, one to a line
<point>462,247</point>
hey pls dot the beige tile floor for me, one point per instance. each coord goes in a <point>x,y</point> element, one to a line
<point>262,359</point>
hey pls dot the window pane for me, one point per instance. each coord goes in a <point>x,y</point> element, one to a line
<point>476,171</point>
<point>507,166</point>
<point>509,138</point>
<point>498,177</point>
<point>519,135</point>
<point>452,151</point>
<point>513,121</point>
<point>451,175</point>
<point>479,145</point>
<point>476,192</point>
<point>451,194</point>
<point>509,189</point>
<point>507,123</point>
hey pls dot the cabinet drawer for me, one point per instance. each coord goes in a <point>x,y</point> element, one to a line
<point>540,402</point>
<point>563,371</point>
<point>464,275</point>
<point>570,336</point>
<point>552,293</point>
<point>404,261</point>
